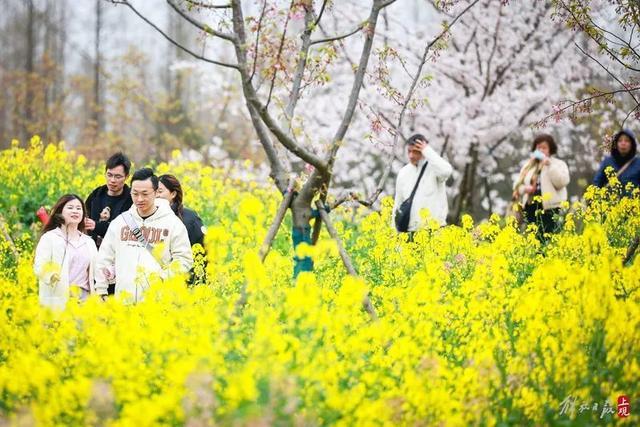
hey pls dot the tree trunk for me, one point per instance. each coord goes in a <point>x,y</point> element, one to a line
<point>29,69</point>
<point>464,202</point>
<point>98,111</point>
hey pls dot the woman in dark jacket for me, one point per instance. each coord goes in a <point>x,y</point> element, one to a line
<point>623,160</point>
<point>169,188</point>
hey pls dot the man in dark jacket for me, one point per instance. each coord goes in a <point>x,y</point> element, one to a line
<point>105,203</point>
<point>623,160</point>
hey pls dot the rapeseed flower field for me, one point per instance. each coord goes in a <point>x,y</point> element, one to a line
<point>477,324</point>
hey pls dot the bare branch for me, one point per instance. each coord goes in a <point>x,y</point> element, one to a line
<point>575,104</point>
<point>279,172</point>
<point>346,260</point>
<point>496,32</point>
<point>588,55</point>
<point>282,39</point>
<point>209,6</point>
<point>275,226</point>
<point>317,21</point>
<point>203,27</point>
<point>386,3</point>
<point>255,52</point>
<point>631,250</point>
<point>344,36</point>
<point>357,81</point>
<point>171,40</point>
<point>622,41</point>
<point>302,64</point>
<point>603,46</point>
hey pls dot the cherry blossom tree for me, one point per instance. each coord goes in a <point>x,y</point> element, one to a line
<point>302,67</point>
<point>503,67</point>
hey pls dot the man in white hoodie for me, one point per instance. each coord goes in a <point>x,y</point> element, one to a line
<point>146,240</point>
<point>431,191</point>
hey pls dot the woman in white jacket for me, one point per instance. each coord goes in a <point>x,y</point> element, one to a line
<point>65,256</point>
<point>546,176</point>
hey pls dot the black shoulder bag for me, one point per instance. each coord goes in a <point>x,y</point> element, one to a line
<point>403,214</point>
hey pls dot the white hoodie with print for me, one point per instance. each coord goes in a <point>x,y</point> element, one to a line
<point>134,264</point>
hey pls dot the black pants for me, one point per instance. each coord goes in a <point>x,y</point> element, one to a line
<point>546,220</point>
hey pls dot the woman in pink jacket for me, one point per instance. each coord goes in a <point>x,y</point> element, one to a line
<point>65,256</point>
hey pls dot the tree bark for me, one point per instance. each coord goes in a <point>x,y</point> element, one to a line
<point>98,110</point>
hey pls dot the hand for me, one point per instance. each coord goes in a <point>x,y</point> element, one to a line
<point>529,189</point>
<point>420,145</point>
<point>108,274</point>
<point>89,224</point>
<point>546,161</point>
<point>55,279</point>
<point>103,298</point>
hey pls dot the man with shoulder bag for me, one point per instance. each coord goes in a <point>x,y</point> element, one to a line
<point>421,185</point>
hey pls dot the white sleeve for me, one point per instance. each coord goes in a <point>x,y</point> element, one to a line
<point>559,174</point>
<point>44,252</point>
<point>106,257</point>
<point>92,265</point>
<point>441,167</point>
<point>180,247</point>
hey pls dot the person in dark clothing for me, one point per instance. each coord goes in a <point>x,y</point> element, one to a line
<point>623,160</point>
<point>106,202</point>
<point>169,188</point>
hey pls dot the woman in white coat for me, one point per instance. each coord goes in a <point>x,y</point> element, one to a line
<point>65,256</point>
<point>546,176</point>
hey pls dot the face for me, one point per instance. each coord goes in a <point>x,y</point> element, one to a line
<point>115,179</point>
<point>164,193</point>
<point>72,212</point>
<point>624,144</point>
<point>143,196</point>
<point>544,148</point>
<point>415,155</point>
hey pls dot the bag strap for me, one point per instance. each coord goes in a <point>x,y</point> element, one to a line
<point>624,167</point>
<point>133,226</point>
<point>415,187</point>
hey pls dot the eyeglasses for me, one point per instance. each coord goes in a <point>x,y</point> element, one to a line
<point>117,177</point>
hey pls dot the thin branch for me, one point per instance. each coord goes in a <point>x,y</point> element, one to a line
<point>317,21</point>
<point>357,81</point>
<point>275,225</point>
<point>203,27</point>
<point>344,36</point>
<point>588,55</point>
<point>266,244</point>
<point>279,172</point>
<point>255,52</point>
<point>282,40</point>
<point>574,104</point>
<point>346,260</point>
<point>302,64</point>
<point>631,250</point>
<point>252,97</point>
<point>603,46</point>
<point>496,31</point>
<point>386,3</point>
<point>172,41</point>
<point>209,6</point>
<point>623,42</point>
